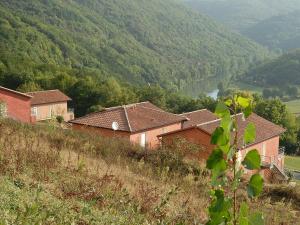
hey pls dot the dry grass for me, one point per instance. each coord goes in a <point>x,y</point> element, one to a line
<point>114,176</point>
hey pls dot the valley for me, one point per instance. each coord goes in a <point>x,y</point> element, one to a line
<point>150,112</point>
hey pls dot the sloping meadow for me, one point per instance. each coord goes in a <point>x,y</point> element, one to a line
<point>54,176</point>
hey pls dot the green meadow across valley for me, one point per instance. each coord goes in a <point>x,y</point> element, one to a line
<point>292,162</point>
<point>294,106</point>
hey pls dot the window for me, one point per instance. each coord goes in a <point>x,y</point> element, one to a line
<point>164,130</point>
<point>51,112</point>
<point>34,111</point>
<point>264,149</point>
<point>143,140</point>
<point>3,109</point>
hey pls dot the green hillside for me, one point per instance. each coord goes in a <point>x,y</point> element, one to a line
<point>241,15</point>
<point>137,41</point>
<point>281,32</point>
<point>284,70</point>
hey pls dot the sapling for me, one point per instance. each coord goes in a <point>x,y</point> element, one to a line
<point>226,166</point>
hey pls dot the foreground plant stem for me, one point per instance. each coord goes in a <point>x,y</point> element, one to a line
<point>235,146</point>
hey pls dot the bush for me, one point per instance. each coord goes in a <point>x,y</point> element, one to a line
<point>60,119</point>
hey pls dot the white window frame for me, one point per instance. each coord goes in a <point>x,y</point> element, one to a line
<point>51,112</point>
<point>34,111</point>
<point>264,148</point>
<point>143,140</point>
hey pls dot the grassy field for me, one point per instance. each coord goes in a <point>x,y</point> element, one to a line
<point>292,163</point>
<point>294,106</point>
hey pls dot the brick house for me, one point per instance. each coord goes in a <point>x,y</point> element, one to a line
<point>266,142</point>
<point>49,104</point>
<point>140,123</point>
<point>34,106</point>
<point>15,105</point>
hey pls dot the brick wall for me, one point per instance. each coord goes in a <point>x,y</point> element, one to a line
<point>48,111</point>
<point>194,136</point>
<point>197,136</point>
<point>152,141</point>
<point>270,153</point>
<point>18,107</point>
<point>101,131</point>
<point>151,135</point>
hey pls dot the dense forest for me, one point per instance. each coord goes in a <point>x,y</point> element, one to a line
<point>273,23</point>
<point>141,42</point>
<point>279,72</point>
<point>241,15</point>
<point>278,32</point>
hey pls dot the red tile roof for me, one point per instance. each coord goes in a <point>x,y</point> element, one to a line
<point>264,128</point>
<point>198,117</point>
<point>131,118</point>
<point>45,97</point>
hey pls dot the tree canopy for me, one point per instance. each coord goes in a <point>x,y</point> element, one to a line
<point>140,42</point>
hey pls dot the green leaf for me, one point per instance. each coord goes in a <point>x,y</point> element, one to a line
<point>243,102</point>
<point>216,164</point>
<point>247,111</point>
<point>216,160</point>
<point>228,102</point>
<point>226,123</point>
<point>255,185</point>
<point>256,219</point>
<point>250,133</point>
<point>222,110</point>
<point>219,137</point>
<point>219,211</point>
<point>252,160</point>
<point>243,216</point>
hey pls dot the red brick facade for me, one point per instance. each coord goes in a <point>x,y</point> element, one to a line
<point>43,104</point>
<point>152,141</point>
<point>268,149</point>
<point>17,105</point>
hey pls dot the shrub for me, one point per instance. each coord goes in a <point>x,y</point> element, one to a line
<point>60,119</point>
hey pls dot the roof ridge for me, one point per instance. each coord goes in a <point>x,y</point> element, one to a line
<point>208,122</point>
<point>216,120</point>
<point>199,110</point>
<point>127,118</point>
<point>164,112</point>
<point>128,105</point>
<point>43,91</point>
<point>16,92</point>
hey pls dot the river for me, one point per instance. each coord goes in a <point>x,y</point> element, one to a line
<point>213,94</point>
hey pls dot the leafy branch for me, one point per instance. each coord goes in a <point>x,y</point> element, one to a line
<point>227,167</point>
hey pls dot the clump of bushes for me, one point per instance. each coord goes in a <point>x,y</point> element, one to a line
<point>60,119</point>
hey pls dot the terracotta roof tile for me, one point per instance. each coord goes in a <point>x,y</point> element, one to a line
<point>131,118</point>
<point>264,128</point>
<point>198,117</point>
<point>50,96</point>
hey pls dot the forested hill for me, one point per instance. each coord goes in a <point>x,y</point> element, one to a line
<point>243,14</point>
<point>139,41</point>
<point>282,32</point>
<point>285,70</point>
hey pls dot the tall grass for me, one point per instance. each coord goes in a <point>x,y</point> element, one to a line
<point>54,176</point>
